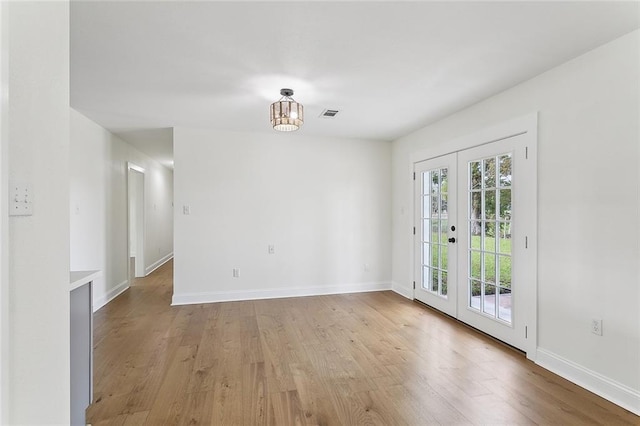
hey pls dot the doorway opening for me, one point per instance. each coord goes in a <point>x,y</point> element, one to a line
<point>136,225</point>
<point>475,232</point>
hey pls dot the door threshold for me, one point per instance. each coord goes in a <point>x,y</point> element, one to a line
<point>502,343</point>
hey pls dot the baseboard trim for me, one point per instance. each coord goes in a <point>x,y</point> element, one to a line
<point>111,294</point>
<point>158,264</point>
<point>276,293</point>
<point>611,390</point>
<point>402,290</point>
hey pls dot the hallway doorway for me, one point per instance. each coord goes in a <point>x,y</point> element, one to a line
<point>136,225</point>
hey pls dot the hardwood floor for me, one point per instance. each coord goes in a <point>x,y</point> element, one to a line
<point>355,359</point>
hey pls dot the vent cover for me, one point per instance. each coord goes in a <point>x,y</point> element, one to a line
<point>329,113</point>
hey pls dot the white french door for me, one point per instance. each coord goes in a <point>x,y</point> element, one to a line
<point>475,215</point>
<point>435,254</point>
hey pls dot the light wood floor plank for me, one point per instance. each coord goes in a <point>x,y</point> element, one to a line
<point>169,401</point>
<point>353,359</point>
<point>136,419</point>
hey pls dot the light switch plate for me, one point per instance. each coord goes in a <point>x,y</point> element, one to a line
<point>21,199</point>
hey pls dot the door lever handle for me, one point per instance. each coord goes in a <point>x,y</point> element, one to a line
<point>452,240</point>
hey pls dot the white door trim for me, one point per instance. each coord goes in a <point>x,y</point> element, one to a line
<point>525,125</point>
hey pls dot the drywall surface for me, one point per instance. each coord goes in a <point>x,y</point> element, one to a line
<point>4,215</point>
<point>323,203</point>
<point>98,206</point>
<point>39,382</point>
<point>588,207</point>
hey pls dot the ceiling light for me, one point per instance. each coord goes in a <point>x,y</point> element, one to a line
<point>286,114</point>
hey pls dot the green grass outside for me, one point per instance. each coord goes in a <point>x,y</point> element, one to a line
<point>489,260</point>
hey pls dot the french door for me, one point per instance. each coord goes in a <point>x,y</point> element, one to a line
<point>475,213</point>
<point>435,193</point>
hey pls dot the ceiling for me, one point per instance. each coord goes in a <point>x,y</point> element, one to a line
<point>141,68</point>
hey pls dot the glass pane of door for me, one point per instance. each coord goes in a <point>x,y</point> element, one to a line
<point>434,217</point>
<point>489,218</point>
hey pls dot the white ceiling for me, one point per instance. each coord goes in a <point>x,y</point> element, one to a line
<point>140,68</point>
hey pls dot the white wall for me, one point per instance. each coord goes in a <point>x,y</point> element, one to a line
<point>4,215</point>
<point>588,210</point>
<point>39,244</point>
<point>98,204</point>
<point>323,203</point>
<point>158,211</point>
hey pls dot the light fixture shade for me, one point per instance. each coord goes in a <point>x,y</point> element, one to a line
<point>286,114</point>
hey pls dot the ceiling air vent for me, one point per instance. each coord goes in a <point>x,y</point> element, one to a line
<point>329,113</point>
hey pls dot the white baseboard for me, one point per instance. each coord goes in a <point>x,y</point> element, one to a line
<point>158,264</point>
<point>611,390</point>
<point>402,290</point>
<point>228,296</point>
<point>111,294</point>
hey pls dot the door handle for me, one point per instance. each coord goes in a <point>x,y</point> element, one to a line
<point>452,240</point>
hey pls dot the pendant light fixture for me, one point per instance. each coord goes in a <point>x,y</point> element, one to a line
<point>286,114</point>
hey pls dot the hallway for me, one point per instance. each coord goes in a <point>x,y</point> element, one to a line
<point>367,358</point>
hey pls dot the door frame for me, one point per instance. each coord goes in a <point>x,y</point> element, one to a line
<point>140,227</point>
<point>527,126</point>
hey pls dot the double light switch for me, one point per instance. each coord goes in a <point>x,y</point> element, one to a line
<point>21,196</point>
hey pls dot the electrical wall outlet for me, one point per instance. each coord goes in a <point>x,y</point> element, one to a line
<point>236,273</point>
<point>596,326</point>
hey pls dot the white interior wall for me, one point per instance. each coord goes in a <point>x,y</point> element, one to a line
<point>39,381</point>
<point>588,210</point>
<point>98,204</point>
<point>158,212</point>
<point>4,214</point>
<point>324,204</point>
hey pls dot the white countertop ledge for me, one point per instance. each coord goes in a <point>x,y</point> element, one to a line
<point>80,278</point>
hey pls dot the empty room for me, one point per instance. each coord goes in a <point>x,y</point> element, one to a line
<point>322,213</point>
